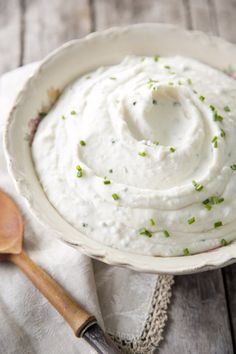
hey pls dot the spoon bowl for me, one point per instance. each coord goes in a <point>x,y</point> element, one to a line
<point>11,226</point>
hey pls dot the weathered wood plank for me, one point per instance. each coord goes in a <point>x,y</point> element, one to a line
<point>48,24</point>
<point>229,274</point>
<point>226,14</point>
<point>121,12</point>
<point>10,32</point>
<point>198,321</point>
<point>203,16</point>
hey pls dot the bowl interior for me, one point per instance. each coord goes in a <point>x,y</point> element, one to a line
<point>59,69</point>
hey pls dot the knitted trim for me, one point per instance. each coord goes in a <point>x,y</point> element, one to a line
<point>155,322</point>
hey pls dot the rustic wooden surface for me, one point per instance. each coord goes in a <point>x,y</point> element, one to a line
<point>202,316</point>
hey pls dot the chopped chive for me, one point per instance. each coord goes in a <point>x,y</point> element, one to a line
<point>198,187</point>
<point>223,242</point>
<point>222,133</point>
<point>202,98</point>
<point>156,142</point>
<point>215,141</point>
<point>115,196</point>
<point>191,220</point>
<point>151,84</point>
<point>79,171</point>
<point>186,252</point>
<point>208,207</point>
<point>154,101</point>
<point>189,81</point>
<point>166,233</point>
<point>233,167</point>
<point>152,222</point>
<point>227,109</point>
<point>145,232</point>
<point>112,78</point>
<point>73,113</point>
<point>213,200</point>
<point>63,117</point>
<point>216,200</point>
<point>212,108</point>
<point>82,143</point>
<point>106,181</point>
<point>217,224</point>
<point>142,153</point>
<point>42,114</point>
<point>156,57</point>
<point>172,149</point>
<point>217,117</point>
<point>167,67</point>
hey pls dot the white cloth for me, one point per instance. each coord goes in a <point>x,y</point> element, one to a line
<point>120,299</point>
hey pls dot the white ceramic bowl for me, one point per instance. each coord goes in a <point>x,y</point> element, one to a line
<point>60,68</point>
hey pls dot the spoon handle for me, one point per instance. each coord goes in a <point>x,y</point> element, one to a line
<point>74,315</point>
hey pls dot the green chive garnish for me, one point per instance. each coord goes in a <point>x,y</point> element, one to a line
<point>156,57</point>
<point>79,171</point>
<point>227,109</point>
<point>233,167</point>
<point>167,67</point>
<point>112,78</point>
<point>73,113</point>
<point>202,98</point>
<point>166,233</point>
<point>172,149</point>
<point>145,232</point>
<point>212,108</point>
<point>115,196</point>
<point>186,252</point>
<point>63,117</point>
<point>191,220</point>
<point>222,133</point>
<point>217,224</point>
<point>152,222</point>
<point>142,153</point>
<point>156,142</point>
<point>198,187</point>
<point>223,242</point>
<point>106,181</point>
<point>189,81</point>
<point>208,207</point>
<point>213,200</point>
<point>42,114</point>
<point>215,141</point>
<point>217,117</point>
<point>82,143</point>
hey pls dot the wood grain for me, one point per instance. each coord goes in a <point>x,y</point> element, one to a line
<point>121,12</point>
<point>10,34</point>
<point>198,321</point>
<point>48,24</point>
<point>226,15</point>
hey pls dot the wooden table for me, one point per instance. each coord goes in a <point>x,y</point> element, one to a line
<point>202,316</point>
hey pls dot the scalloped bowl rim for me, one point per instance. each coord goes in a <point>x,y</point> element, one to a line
<point>153,264</point>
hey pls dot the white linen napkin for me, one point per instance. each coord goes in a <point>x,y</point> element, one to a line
<point>131,306</point>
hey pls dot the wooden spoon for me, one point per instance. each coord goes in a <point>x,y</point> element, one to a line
<point>11,238</point>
